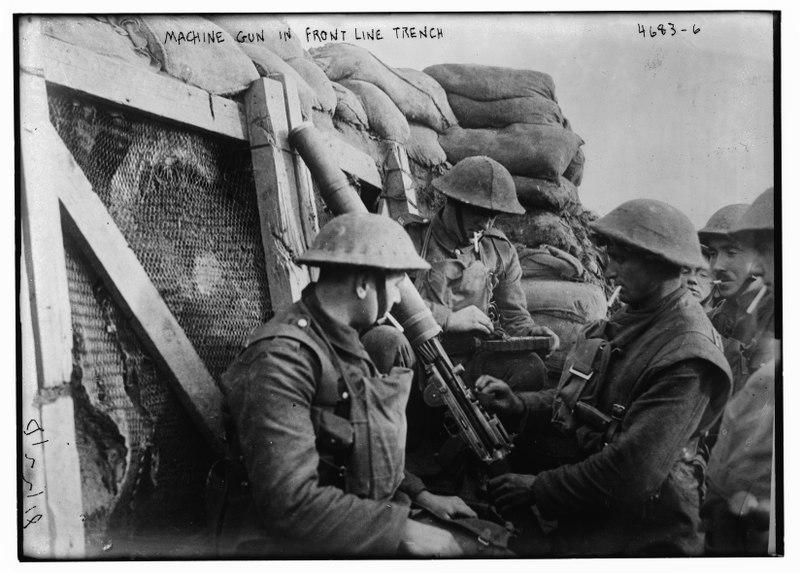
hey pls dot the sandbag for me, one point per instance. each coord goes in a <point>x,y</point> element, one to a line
<point>549,263</point>
<point>503,112</point>
<point>385,119</point>
<point>316,78</point>
<point>99,37</point>
<point>349,108</point>
<point>268,63</point>
<point>488,83</point>
<point>271,26</point>
<point>417,99</point>
<point>574,170</point>
<point>543,194</point>
<point>436,92</point>
<point>423,146</point>
<point>220,68</point>
<point>537,228</point>
<point>541,151</point>
<point>565,307</point>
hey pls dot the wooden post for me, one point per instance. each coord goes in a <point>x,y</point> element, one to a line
<point>309,219</point>
<point>400,193</point>
<point>51,484</point>
<point>276,190</point>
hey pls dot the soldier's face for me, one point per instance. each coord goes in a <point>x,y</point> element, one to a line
<point>731,264</point>
<point>765,253</point>
<point>633,274</point>
<point>467,220</point>
<point>697,280</point>
<point>378,293</point>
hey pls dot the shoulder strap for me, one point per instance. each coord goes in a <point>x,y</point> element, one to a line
<point>328,389</point>
<point>423,253</point>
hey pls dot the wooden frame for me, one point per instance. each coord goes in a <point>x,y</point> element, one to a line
<point>276,189</point>
<point>57,497</point>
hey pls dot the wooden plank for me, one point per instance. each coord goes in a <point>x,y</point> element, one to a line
<point>276,191</point>
<point>156,94</point>
<point>128,282</point>
<point>400,192</point>
<point>309,219</point>
<point>52,440</point>
<point>35,518</point>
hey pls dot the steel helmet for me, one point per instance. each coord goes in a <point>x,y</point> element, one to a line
<point>364,240</point>
<point>759,217</point>
<point>721,222</point>
<point>654,227</point>
<point>482,182</point>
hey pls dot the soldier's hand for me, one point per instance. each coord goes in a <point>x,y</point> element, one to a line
<point>540,330</point>
<point>469,319</point>
<point>421,540</point>
<point>444,506</point>
<point>512,490</point>
<point>498,396</point>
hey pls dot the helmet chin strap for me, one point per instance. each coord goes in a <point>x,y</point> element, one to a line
<point>476,237</point>
<point>380,290</point>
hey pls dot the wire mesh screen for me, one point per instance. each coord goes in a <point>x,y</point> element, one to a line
<point>186,204</point>
<point>143,464</point>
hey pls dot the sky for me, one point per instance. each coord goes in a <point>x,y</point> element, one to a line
<point>685,118</point>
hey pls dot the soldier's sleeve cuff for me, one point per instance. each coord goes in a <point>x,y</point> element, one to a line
<point>441,314</point>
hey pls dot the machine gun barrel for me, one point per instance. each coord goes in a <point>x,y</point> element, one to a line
<point>483,432</point>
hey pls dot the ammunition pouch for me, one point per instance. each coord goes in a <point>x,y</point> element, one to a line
<point>580,382</point>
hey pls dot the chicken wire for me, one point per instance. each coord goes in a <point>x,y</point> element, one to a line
<point>186,205</point>
<point>143,463</point>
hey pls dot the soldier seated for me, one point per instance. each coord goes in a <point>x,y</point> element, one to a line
<point>319,430</point>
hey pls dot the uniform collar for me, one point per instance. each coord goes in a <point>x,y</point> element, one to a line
<point>340,335</point>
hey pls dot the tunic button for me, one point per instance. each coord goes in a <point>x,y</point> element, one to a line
<point>458,251</point>
<point>302,323</point>
<point>345,395</point>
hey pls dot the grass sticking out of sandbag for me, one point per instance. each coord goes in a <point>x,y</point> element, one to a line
<point>537,228</point>
<point>542,194</point>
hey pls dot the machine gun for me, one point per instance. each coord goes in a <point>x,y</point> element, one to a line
<point>480,430</point>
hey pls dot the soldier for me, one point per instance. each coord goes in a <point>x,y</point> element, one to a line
<point>736,314</point>
<point>473,289</point>
<point>637,392</point>
<point>698,281</point>
<point>320,431</point>
<point>474,284</point>
<point>740,470</point>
